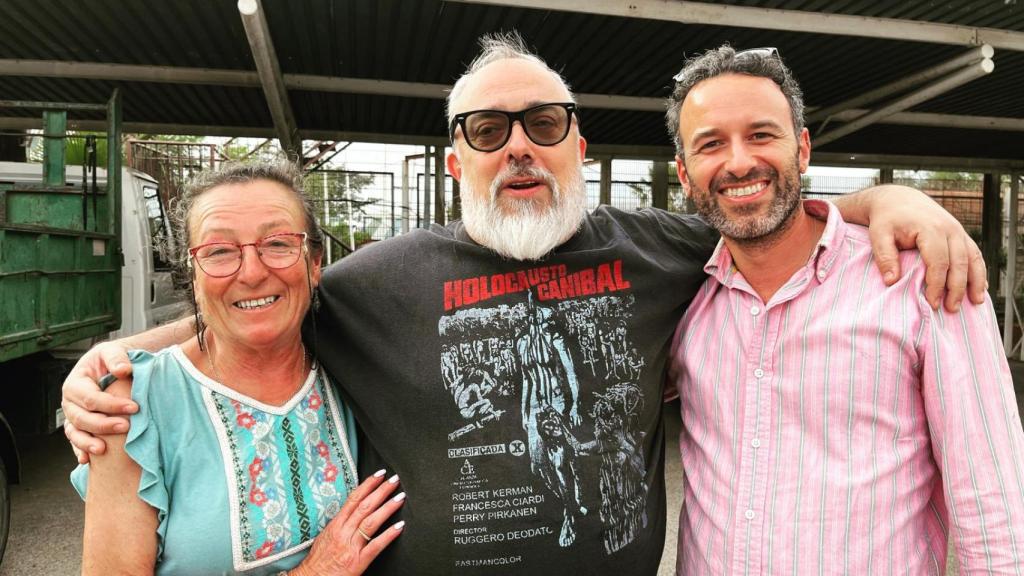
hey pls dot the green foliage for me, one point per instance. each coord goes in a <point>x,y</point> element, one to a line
<point>75,152</point>
<point>74,149</point>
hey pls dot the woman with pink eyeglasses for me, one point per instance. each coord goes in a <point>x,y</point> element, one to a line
<point>241,457</point>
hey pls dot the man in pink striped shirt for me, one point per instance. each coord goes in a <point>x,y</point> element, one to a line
<point>831,424</point>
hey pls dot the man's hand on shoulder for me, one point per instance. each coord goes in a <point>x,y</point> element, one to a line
<point>87,409</point>
<point>902,218</point>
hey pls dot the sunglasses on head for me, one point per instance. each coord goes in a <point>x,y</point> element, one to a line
<point>767,52</point>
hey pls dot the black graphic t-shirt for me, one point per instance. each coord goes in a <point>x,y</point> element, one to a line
<point>519,402</point>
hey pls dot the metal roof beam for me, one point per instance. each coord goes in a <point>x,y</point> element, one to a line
<point>904,84</point>
<point>128,73</point>
<point>366,86</point>
<point>205,76</point>
<point>214,77</point>
<point>775,19</point>
<point>256,30</point>
<point>938,120</point>
<point>24,123</point>
<point>913,99</point>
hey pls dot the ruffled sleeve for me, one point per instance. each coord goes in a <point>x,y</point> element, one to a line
<point>143,442</point>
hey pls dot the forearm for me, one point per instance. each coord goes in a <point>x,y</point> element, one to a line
<point>856,207</point>
<point>160,337</point>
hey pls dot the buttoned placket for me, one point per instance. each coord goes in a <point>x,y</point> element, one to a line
<point>750,505</point>
<point>762,331</point>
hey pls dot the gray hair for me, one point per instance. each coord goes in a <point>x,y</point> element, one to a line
<point>723,60</point>
<point>494,47</point>
<point>281,172</point>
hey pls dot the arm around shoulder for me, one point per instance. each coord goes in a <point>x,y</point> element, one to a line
<point>899,217</point>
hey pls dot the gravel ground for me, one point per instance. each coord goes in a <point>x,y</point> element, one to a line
<point>46,513</point>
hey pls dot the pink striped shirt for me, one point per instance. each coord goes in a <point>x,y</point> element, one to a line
<point>844,427</point>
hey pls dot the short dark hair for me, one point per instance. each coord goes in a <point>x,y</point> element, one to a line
<point>723,60</point>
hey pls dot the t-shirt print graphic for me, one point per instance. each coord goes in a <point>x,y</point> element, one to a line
<point>552,387</point>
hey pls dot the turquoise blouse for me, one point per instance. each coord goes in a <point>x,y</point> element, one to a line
<point>239,486</point>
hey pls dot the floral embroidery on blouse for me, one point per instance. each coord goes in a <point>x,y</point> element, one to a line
<point>287,473</point>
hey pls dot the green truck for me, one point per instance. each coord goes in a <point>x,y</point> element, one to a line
<point>80,259</point>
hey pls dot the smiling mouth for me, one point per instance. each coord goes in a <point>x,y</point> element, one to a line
<point>256,303</point>
<point>744,191</point>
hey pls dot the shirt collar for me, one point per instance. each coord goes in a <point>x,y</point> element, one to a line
<point>720,266</point>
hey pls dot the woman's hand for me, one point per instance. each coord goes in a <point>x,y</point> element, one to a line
<point>354,537</point>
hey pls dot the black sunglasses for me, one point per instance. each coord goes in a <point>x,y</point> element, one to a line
<point>489,130</point>
<point>767,52</point>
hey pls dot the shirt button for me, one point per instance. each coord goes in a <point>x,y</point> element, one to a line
<point>758,373</point>
<point>754,310</point>
<point>821,274</point>
<point>756,442</point>
<point>749,514</point>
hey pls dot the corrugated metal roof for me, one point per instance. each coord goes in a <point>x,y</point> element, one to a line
<point>430,41</point>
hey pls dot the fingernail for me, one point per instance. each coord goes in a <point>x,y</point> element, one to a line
<point>94,450</point>
<point>890,276</point>
<point>399,498</point>
<point>122,366</point>
<point>399,525</point>
<point>378,473</point>
<point>393,479</point>
<point>121,427</point>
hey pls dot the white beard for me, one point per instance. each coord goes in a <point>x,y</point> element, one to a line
<point>521,230</point>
